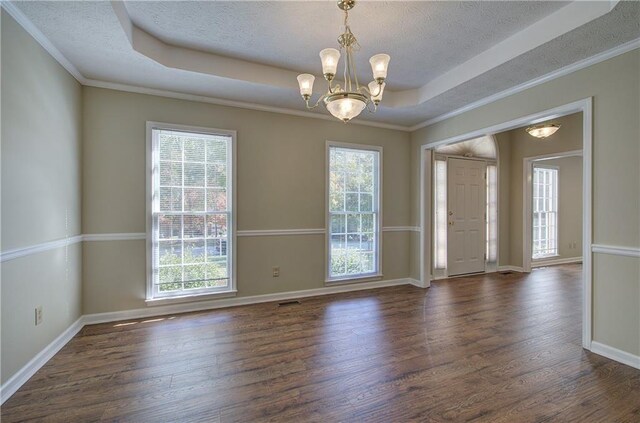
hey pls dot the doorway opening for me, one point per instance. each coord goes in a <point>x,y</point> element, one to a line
<point>428,227</point>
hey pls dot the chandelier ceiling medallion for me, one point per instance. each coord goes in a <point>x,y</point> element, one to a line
<point>349,101</point>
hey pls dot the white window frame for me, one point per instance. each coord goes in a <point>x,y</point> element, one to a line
<point>231,290</point>
<point>377,273</point>
<point>556,200</point>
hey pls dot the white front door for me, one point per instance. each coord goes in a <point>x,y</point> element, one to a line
<point>466,195</point>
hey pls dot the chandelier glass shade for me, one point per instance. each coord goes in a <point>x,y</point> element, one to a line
<point>347,101</point>
<point>543,131</point>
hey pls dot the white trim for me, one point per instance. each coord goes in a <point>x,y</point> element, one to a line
<point>400,229</point>
<point>416,282</point>
<point>41,39</point>
<point>28,370</point>
<point>114,236</point>
<point>377,207</point>
<point>426,217</point>
<point>133,236</point>
<point>149,175</point>
<point>235,103</point>
<point>574,67</point>
<point>190,298</point>
<point>586,107</point>
<point>233,302</point>
<point>555,262</point>
<point>615,354</point>
<point>281,232</point>
<point>510,269</point>
<point>38,248</point>
<point>616,250</point>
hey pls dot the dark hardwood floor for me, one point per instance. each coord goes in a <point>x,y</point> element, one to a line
<point>494,348</point>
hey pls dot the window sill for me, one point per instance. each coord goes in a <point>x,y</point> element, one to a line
<point>543,258</point>
<point>190,298</point>
<point>354,279</point>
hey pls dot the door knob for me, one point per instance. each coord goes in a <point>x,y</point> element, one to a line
<point>450,223</point>
<point>450,213</point>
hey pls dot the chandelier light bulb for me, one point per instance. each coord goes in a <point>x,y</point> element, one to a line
<point>305,81</point>
<point>329,58</point>
<point>379,66</point>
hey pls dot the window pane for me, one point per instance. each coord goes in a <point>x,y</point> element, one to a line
<point>217,175</point>
<point>194,251</point>
<point>170,253</point>
<point>351,201</point>
<point>338,224</point>
<point>216,199</point>
<point>194,174</point>
<point>170,199</point>
<point>170,227</point>
<point>193,199</point>
<point>217,150</point>
<point>193,226</point>
<point>194,149</point>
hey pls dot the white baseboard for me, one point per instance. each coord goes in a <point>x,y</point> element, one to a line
<point>416,282</point>
<point>615,354</point>
<point>510,269</point>
<point>24,374</point>
<point>90,319</point>
<point>554,262</point>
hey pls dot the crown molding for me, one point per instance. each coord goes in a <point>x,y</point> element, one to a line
<point>233,103</point>
<point>574,67</point>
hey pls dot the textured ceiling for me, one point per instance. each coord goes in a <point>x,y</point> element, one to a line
<point>290,34</point>
<point>424,39</point>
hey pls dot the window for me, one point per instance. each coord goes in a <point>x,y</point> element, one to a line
<point>492,213</point>
<point>440,215</point>
<point>354,211</point>
<point>191,220</point>
<point>545,212</point>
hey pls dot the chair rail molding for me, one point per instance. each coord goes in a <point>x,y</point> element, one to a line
<point>616,250</point>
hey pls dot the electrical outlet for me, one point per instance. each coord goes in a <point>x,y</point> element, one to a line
<point>276,272</point>
<point>38,315</point>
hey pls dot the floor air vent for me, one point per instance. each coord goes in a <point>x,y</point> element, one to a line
<point>288,303</point>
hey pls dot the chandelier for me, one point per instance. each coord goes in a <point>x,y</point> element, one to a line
<point>349,101</point>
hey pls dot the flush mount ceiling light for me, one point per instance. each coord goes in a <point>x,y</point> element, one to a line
<point>349,101</point>
<point>543,130</point>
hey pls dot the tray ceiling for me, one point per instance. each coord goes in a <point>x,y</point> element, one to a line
<point>445,55</point>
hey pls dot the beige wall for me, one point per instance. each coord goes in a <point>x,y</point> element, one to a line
<point>614,85</point>
<point>281,185</point>
<point>41,148</point>
<point>514,147</point>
